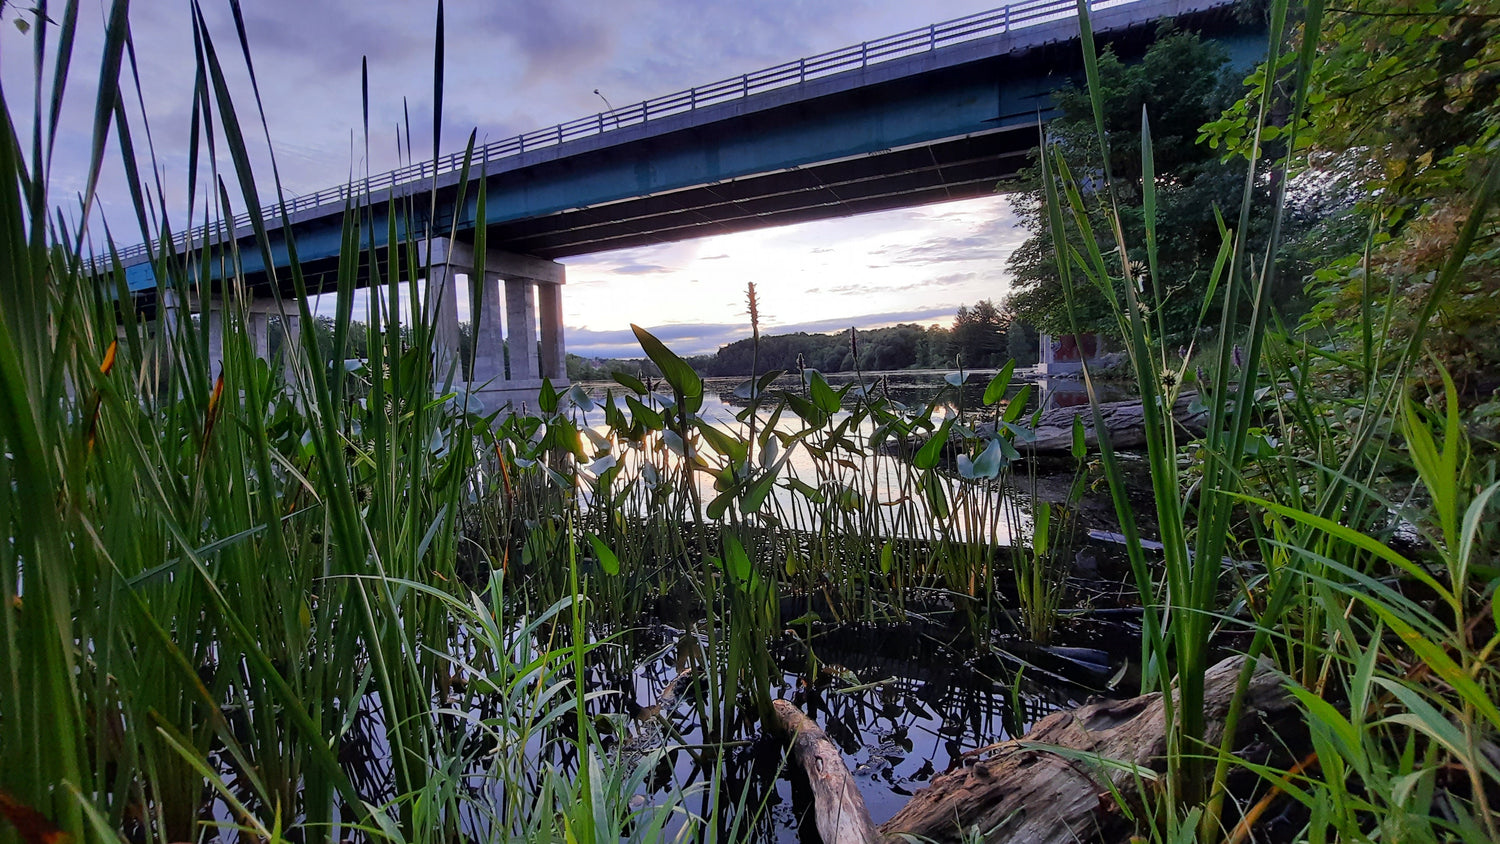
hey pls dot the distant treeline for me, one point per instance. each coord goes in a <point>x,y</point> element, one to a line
<point>981,336</point>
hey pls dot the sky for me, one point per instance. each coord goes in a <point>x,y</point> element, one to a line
<point>514,66</point>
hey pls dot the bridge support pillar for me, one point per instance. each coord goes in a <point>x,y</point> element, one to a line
<point>442,293</point>
<point>213,313</point>
<point>554,362</point>
<point>258,317</point>
<point>168,331</point>
<point>520,316</point>
<point>507,366</point>
<point>291,345</point>
<point>258,328</point>
<point>489,332</point>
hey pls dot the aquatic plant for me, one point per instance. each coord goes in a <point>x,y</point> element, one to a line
<point>1321,597</point>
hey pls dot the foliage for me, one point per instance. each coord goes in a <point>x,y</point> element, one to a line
<point>979,334</point>
<point>1403,114</point>
<point>985,335</point>
<point>1182,82</point>
<point>220,589</point>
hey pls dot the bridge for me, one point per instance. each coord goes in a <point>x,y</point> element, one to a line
<point>944,112</point>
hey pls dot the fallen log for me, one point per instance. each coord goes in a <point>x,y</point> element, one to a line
<point>1021,790</point>
<point>838,807</point>
<point>1125,421</point>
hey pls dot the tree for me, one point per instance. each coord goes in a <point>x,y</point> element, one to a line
<point>1181,84</point>
<point>979,334</point>
<point>1404,114</point>
<point>1022,341</point>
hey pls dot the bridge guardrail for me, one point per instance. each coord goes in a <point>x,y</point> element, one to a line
<point>1019,15</point>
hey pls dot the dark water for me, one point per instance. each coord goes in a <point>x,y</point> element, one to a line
<point>904,702</point>
<point>920,697</point>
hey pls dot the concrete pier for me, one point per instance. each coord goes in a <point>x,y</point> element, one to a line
<point>516,313</point>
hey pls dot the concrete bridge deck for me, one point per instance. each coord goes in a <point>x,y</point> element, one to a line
<point>944,112</point>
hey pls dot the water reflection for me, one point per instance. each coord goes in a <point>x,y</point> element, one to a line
<point>903,702</point>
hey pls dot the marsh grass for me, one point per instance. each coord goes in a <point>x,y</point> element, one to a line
<point>219,579</point>
<point>222,582</point>
<point>1326,598</point>
<point>223,579</point>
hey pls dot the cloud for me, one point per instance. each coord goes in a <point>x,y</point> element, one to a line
<point>641,269</point>
<point>873,288</point>
<point>682,338</point>
<point>867,321</point>
<point>552,39</point>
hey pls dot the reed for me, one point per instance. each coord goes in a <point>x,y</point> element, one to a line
<point>222,580</point>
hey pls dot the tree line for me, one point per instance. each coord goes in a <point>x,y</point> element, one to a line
<point>982,336</point>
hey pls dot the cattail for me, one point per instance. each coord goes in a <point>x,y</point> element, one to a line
<point>754,302</point>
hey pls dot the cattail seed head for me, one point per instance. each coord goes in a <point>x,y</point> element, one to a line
<point>754,302</point>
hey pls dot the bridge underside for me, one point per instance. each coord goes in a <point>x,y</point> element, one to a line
<point>975,165</point>
<point>962,168</point>
<point>949,124</point>
<point>942,124</point>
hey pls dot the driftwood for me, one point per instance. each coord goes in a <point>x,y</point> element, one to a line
<point>1123,419</point>
<point>837,804</point>
<point>1056,786</point>
<point>1021,791</point>
<point>651,721</point>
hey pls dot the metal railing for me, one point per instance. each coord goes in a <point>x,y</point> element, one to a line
<point>1020,15</point>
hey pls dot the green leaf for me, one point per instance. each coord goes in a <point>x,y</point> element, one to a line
<point>1017,405</point>
<point>644,415</point>
<point>755,494</point>
<point>928,455</point>
<point>736,561</point>
<point>629,382</point>
<point>823,395</point>
<point>999,384</point>
<point>724,442</point>
<point>987,464</point>
<point>1325,715</point>
<point>1423,716</point>
<point>1440,662</point>
<point>685,381</point>
<point>581,399</point>
<point>1080,443</point>
<point>607,559</point>
<point>547,399</point>
<point>1467,539</point>
<point>810,492</point>
<point>720,505</point>
<point>807,411</point>
<point>1041,527</point>
<point>887,557</point>
<point>1356,539</point>
<point>937,495</point>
